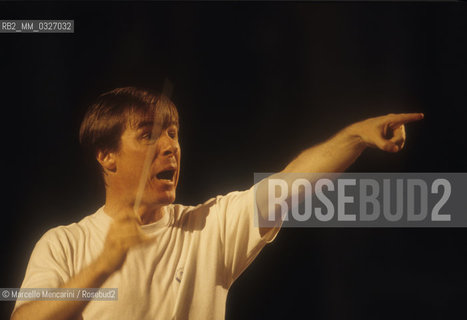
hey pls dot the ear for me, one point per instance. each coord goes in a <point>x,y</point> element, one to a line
<point>107,160</point>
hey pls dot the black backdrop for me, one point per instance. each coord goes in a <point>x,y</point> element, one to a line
<point>255,84</point>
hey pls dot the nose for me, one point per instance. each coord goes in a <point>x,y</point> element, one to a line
<point>169,146</point>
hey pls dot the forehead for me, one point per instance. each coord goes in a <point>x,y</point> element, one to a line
<point>162,115</point>
<point>137,122</point>
<point>143,123</point>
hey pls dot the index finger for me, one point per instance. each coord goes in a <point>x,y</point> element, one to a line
<point>403,118</point>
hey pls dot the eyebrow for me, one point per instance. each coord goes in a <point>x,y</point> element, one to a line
<point>145,124</point>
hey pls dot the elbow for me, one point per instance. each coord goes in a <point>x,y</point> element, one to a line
<point>18,314</point>
<point>14,316</point>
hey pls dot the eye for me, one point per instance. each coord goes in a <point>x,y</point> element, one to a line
<point>172,133</point>
<point>147,136</point>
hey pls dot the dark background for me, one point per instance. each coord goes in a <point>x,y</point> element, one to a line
<point>255,83</point>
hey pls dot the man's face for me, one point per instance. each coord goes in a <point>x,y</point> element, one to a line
<point>162,158</point>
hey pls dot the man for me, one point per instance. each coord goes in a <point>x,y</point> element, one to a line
<point>167,261</point>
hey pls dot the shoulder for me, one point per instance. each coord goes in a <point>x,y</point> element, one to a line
<point>183,214</point>
<point>189,216</point>
<point>70,234</point>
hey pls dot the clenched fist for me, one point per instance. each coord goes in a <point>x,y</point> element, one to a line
<point>124,233</point>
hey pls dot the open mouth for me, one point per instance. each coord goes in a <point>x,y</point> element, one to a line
<point>167,175</point>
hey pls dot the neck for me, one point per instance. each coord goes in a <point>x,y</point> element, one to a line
<point>117,205</point>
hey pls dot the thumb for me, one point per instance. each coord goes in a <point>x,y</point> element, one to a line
<point>386,145</point>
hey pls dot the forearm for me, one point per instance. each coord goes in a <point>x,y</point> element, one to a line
<point>334,155</point>
<point>323,160</point>
<point>92,276</point>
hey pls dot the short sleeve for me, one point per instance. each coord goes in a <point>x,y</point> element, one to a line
<point>47,266</point>
<point>240,234</point>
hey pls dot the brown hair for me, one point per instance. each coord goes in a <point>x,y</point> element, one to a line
<point>113,111</point>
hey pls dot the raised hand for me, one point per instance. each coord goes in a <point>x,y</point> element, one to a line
<point>124,233</point>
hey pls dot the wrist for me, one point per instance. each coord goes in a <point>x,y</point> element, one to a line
<point>353,134</point>
<point>101,268</point>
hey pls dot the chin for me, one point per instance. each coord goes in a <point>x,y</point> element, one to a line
<point>166,199</point>
<point>160,195</point>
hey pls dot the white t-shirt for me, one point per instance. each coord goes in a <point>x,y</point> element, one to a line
<point>185,274</point>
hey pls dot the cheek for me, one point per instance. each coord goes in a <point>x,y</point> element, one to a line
<point>131,168</point>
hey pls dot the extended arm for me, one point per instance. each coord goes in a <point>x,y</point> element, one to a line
<point>340,151</point>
